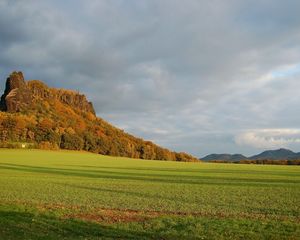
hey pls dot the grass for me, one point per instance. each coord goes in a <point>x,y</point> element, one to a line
<point>55,195</point>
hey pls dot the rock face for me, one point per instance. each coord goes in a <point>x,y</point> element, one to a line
<point>19,95</point>
<point>74,99</point>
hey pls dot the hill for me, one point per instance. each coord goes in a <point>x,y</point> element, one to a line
<point>278,154</point>
<point>224,157</point>
<point>271,155</point>
<point>34,115</point>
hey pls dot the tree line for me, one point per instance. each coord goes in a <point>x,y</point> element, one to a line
<point>263,161</point>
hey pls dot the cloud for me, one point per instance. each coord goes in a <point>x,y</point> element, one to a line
<point>189,76</point>
<point>269,138</point>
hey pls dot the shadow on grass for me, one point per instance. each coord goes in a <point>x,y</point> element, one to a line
<point>154,177</point>
<point>17,225</point>
<point>196,171</point>
<point>25,225</point>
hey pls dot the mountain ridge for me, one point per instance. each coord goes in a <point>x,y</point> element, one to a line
<point>277,154</point>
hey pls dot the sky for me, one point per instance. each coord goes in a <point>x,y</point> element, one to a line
<point>219,76</point>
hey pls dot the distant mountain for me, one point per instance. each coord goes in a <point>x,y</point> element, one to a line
<point>33,115</point>
<point>297,155</point>
<point>224,157</point>
<point>279,154</point>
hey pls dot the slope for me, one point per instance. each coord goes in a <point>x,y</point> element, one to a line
<point>34,115</point>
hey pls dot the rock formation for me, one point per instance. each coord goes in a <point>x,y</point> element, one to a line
<point>19,95</point>
<point>16,95</point>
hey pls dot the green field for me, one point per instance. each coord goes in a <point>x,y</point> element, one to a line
<point>74,195</point>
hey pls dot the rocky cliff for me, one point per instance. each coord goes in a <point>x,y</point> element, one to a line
<point>20,95</point>
<point>17,95</point>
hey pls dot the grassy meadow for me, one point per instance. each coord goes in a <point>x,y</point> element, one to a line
<point>76,195</point>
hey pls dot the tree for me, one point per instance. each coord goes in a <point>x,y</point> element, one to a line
<point>71,141</point>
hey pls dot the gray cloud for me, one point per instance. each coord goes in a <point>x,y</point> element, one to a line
<point>191,76</point>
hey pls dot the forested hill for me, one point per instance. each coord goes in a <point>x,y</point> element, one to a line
<point>34,115</point>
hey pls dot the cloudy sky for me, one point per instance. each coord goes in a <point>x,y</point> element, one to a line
<point>197,76</point>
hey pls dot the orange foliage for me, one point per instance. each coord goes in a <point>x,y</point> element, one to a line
<point>46,123</point>
<point>60,125</point>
